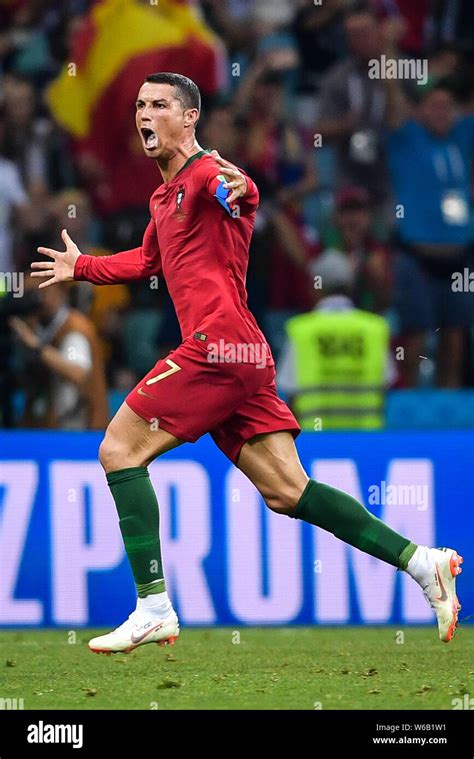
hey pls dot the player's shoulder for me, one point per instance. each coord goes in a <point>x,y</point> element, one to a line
<point>209,174</point>
<point>206,167</point>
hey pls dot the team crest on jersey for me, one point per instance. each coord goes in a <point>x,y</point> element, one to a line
<point>179,213</point>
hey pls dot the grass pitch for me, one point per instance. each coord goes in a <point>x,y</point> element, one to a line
<point>267,668</point>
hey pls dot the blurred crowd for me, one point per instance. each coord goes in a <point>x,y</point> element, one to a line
<point>376,168</point>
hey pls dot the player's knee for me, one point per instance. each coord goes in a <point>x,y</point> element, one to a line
<point>113,455</point>
<point>106,454</point>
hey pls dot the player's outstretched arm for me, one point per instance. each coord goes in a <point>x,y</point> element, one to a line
<point>60,267</point>
<point>123,267</point>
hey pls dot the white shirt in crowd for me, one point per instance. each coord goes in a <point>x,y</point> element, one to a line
<point>12,196</point>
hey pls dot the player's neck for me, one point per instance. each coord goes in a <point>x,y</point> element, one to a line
<point>169,167</point>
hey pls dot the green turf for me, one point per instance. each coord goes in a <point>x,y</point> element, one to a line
<point>272,668</point>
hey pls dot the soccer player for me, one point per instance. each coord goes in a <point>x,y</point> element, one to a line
<point>220,379</point>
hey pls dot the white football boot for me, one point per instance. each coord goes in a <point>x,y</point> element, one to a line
<point>142,626</point>
<point>435,570</point>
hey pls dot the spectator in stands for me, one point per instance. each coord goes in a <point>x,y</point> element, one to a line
<point>272,146</point>
<point>29,50</point>
<point>64,377</point>
<point>318,30</point>
<point>18,216</point>
<point>25,139</point>
<point>370,259</point>
<point>13,202</point>
<point>453,21</point>
<point>219,130</point>
<point>106,306</point>
<point>451,63</point>
<point>445,62</point>
<point>243,22</point>
<point>232,20</point>
<point>353,109</point>
<point>430,152</point>
<point>416,21</point>
<point>280,159</point>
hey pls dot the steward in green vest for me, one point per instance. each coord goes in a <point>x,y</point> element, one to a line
<point>340,369</point>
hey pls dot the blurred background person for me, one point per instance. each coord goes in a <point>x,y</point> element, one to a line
<point>63,377</point>
<point>352,232</point>
<point>353,108</point>
<point>453,21</point>
<point>14,210</point>
<point>430,151</point>
<point>20,216</point>
<point>416,22</point>
<point>107,307</point>
<point>335,365</point>
<point>276,151</point>
<point>25,134</point>
<point>319,36</point>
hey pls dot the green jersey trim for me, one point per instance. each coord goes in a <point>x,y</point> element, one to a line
<point>193,158</point>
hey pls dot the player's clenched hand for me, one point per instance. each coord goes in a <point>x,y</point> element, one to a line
<point>61,268</point>
<point>235,180</point>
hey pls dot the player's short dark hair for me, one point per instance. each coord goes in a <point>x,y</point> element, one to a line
<point>186,91</point>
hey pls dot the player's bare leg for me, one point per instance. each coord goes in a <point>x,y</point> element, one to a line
<point>271,462</point>
<point>132,441</point>
<point>130,444</point>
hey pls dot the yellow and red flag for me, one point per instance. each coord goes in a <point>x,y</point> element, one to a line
<point>118,44</point>
<point>114,33</point>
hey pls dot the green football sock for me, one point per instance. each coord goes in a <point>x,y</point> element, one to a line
<point>137,508</point>
<point>339,513</point>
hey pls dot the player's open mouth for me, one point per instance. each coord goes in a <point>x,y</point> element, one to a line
<point>149,137</point>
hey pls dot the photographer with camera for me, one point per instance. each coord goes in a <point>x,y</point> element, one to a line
<point>64,378</point>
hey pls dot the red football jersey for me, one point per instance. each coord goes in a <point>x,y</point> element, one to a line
<point>201,246</point>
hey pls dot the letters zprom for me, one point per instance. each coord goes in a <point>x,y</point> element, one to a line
<point>85,539</point>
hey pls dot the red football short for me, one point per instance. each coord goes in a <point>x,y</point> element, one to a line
<point>190,396</point>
